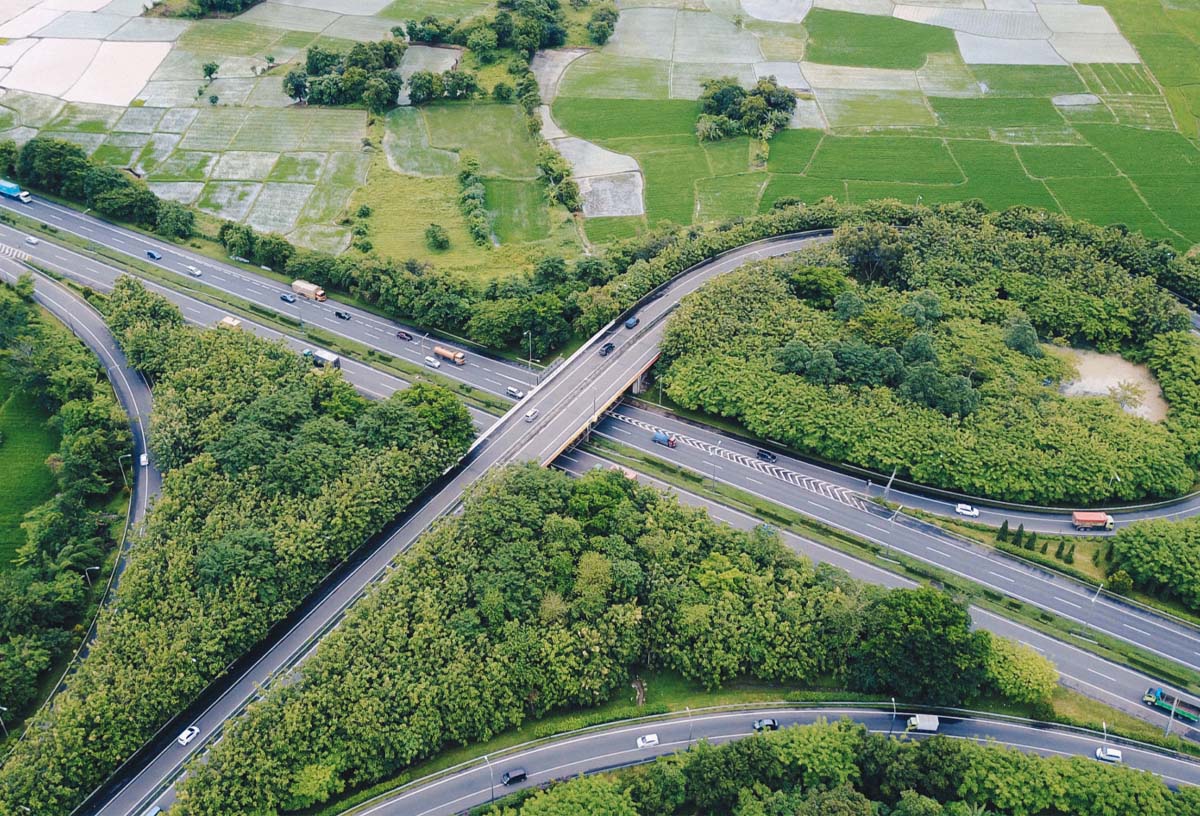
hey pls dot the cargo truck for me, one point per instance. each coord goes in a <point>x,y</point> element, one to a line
<point>10,189</point>
<point>323,359</point>
<point>309,290</point>
<point>228,322</point>
<point>1157,698</point>
<point>664,438</point>
<point>456,357</point>
<point>1092,520</point>
<point>927,723</point>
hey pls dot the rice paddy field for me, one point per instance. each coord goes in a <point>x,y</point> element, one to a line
<point>908,102</point>
<point>1093,110</point>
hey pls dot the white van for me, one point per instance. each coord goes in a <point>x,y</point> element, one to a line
<point>1109,755</point>
<point>433,362</point>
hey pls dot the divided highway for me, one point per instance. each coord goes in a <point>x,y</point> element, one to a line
<point>616,746</point>
<point>575,396</point>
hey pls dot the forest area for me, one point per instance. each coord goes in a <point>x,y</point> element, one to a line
<point>550,593</point>
<point>273,473</point>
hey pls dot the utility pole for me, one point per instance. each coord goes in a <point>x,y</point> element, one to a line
<point>892,725</point>
<point>689,716</point>
<point>491,778</point>
<point>1092,608</point>
<point>2,725</point>
<point>1171,719</point>
<point>888,488</point>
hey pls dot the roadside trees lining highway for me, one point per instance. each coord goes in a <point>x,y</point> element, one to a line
<point>1119,651</point>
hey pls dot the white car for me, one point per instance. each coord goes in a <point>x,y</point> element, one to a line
<point>189,734</point>
<point>1109,755</point>
<point>29,239</point>
<point>432,362</point>
<point>194,272</point>
<point>143,460</point>
<point>531,414</point>
<point>967,510</point>
<point>647,741</point>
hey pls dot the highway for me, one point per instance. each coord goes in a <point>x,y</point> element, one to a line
<point>615,746</point>
<point>482,372</point>
<point>573,396</point>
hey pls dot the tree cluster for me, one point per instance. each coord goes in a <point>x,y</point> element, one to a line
<point>549,592</point>
<point>274,473</point>
<point>1160,557</point>
<point>728,109</point>
<point>602,23</point>
<point>472,200</point>
<point>365,74</point>
<point>839,769</point>
<point>42,597</point>
<point>63,169</point>
<point>426,86</point>
<point>918,350</point>
<point>523,25</point>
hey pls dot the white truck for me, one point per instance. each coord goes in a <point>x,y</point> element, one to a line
<point>323,359</point>
<point>923,722</point>
<point>308,290</point>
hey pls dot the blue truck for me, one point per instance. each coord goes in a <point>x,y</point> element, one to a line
<point>1182,709</point>
<point>664,438</point>
<point>10,189</point>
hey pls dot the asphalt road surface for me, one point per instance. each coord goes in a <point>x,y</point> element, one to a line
<point>617,746</point>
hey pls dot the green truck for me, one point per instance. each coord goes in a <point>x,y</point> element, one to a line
<point>1157,698</point>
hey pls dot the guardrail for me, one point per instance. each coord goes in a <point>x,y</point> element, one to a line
<point>833,705</point>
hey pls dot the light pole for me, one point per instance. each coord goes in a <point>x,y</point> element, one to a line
<point>1104,725</point>
<point>529,362</point>
<point>2,725</point>
<point>86,574</point>
<point>491,779</point>
<point>423,339</point>
<point>1092,608</point>
<point>121,468</point>
<point>891,478</point>
<point>689,716</point>
<point>892,726</point>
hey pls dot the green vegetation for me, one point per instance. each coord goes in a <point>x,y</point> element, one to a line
<point>26,440</point>
<point>842,38</point>
<point>64,435</point>
<point>841,768</point>
<point>549,592</point>
<point>919,351</point>
<point>276,472</point>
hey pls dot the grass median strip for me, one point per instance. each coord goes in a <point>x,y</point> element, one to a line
<point>1098,643</point>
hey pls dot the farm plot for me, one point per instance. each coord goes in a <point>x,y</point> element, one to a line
<point>601,119</point>
<point>228,199</point>
<point>416,9</point>
<point>870,109</point>
<point>335,130</point>
<point>495,134</point>
<point>604,75</point>
<point>244,165</point>
<point>406,146</point>
<point>157,148</point>
<point>85,118</point>
<point>517,210</point>
<point>1065,161</point>
<point>140,120</point>
<point>729,196</point>
<point>274,130</point>
<point>278,206</point>
<point>298,167</point>
<point>885,158</point>
<point>1107,201</point>
<point>841,38</point>
<point>792,150</point>
<point>342,175</point>
<point>213,129</point>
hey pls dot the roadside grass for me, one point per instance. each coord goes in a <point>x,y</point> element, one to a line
<point>843,38</point>
<point>25,441</point>
<point>494,134</point>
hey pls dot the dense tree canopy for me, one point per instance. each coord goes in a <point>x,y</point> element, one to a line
<point>918,350</point>
<point>550,592</point>
<point>274,472</point>
<point>838,769</point>
<point>42,597</point>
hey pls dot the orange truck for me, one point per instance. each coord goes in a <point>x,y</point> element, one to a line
<point>456,357</point>
<point>1092,520</point>
<point>309,290</point>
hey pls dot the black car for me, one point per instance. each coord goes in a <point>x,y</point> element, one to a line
<point>766,724</point>
<point>513,777</point>
<point>288,297</point>
<point>606,349</point>
<point>767,456</point>
<point>152,255</point>
<point>342,315</point>
<point>403,335</point>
